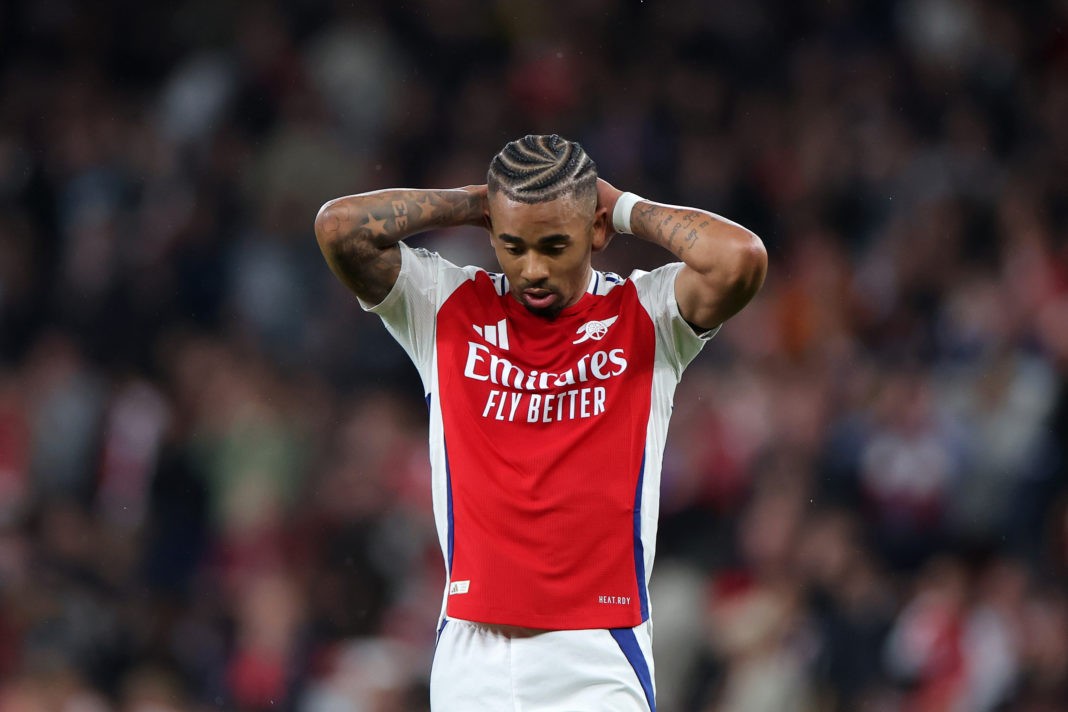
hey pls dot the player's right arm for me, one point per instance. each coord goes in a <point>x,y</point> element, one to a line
<point>358,234</point>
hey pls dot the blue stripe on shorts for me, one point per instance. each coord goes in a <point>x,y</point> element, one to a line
<point>628,643</point>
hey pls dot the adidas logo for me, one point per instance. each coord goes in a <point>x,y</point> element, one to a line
<point>495,334</point>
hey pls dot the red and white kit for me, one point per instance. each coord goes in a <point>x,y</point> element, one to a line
<point>546,441</point>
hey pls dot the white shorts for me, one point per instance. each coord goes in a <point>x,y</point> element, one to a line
<point>496,668</point>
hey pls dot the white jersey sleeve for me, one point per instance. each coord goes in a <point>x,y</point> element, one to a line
<point>676,341</point>
<point>410,309</point>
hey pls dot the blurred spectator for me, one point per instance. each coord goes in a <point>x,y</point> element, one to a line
<point>926,646</point>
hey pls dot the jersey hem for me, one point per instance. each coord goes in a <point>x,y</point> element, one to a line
<point>526,619</point>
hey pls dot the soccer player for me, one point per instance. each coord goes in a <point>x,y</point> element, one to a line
<point>550,386</point>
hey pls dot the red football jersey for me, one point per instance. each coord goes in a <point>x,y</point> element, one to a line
<point>547,437</point>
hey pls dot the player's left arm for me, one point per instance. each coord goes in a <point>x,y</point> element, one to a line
<point>724,263</point>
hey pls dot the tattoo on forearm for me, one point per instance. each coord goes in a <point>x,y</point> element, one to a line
<point>375,226</point>
<point>426,206</point>
<point>366,230</point>
<point>671,237</point>
<point>676,230</point>
<point>410,212</point>
<point>400,212</point>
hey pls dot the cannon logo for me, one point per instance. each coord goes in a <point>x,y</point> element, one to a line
<point>594,330</point>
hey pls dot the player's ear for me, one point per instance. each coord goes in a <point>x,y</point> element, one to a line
<point>602,234</point>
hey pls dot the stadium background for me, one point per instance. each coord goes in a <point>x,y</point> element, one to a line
<point>213,475</point>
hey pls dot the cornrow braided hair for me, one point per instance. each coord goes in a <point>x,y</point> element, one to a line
<point>537,169</point>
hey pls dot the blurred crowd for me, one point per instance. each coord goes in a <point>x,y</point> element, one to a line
<point>213,466</point>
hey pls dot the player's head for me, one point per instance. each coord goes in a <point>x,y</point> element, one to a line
<point>545,220</point>
<point>538,169</point>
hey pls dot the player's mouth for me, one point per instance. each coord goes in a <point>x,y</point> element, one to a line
<point>539,299</point>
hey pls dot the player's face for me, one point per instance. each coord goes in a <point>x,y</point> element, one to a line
<point>544,248</point>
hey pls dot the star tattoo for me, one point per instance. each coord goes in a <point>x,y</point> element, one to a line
<point>427,207</point>
<point>377,226</point>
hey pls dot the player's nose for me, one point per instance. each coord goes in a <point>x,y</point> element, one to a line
<point>534,269</point>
